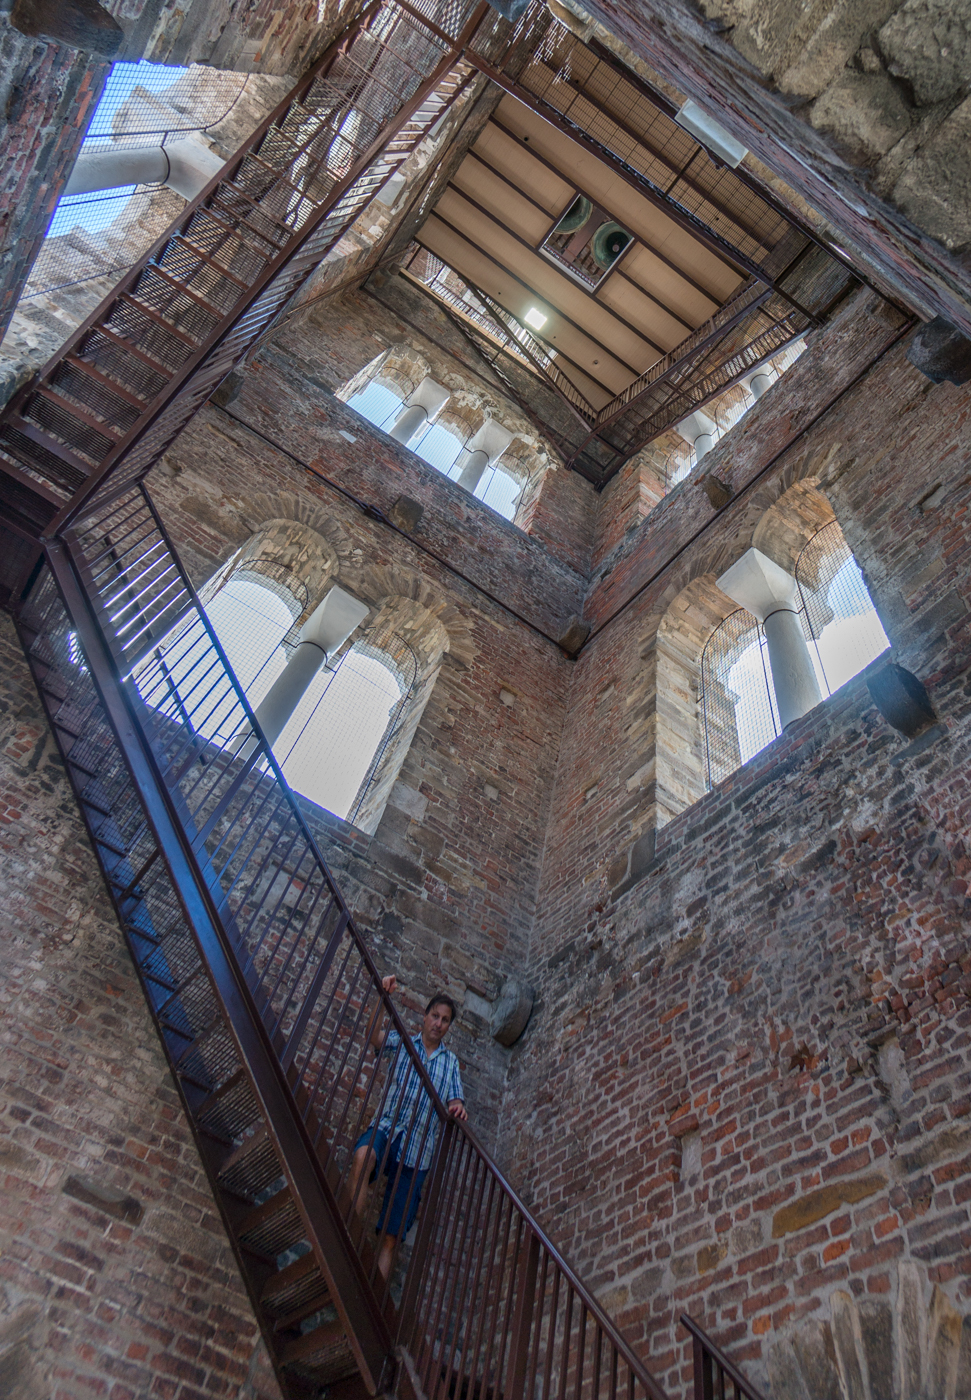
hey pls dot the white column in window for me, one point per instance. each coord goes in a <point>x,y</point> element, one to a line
<point>186,166</point>
<point>484,449</point>
<point>326,629</point>
<point>699,430</point>
<point>419,408</point>
<point>758,382</point>
<point>759,584</point>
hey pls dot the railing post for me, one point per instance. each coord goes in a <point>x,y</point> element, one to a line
<point>522,1325</point>
<point>704,1380</point>
<point>418,1264</point>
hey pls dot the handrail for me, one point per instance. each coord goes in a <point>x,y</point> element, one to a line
<point>482,1263</point>
<point>500,325</point>
<point>748,299</point>
<point>712,1368</point>
<point>114,397</point>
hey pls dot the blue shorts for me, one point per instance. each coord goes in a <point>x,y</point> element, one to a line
<point>398,1212</point>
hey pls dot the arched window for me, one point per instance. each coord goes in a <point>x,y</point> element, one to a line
<point>439,445</point>
<point>252,608</point>
<point>336,737</point>
<point>847,633</point>
<point>500,490</point>
<point>739,708</point>
<point>376,402</point>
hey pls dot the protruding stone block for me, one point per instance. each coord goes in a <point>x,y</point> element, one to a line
<point>901,699</point>
<point>104,1198</point>
<point>512,1011</point>
<point>577,632</point>
<point>941,352</point>
<point>82,24</point>
<point>719,493</point>
<point>229,389</point>
<point>406,513</point>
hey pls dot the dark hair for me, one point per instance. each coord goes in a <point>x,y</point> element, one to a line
<point>440,999</point>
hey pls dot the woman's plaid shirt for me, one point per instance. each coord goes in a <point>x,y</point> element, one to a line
<point>406,1091</point>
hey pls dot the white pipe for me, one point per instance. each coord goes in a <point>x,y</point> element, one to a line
<point>699,430</point>
<point>759,382</point>
<point>485,448</point>
<point>421,405</point>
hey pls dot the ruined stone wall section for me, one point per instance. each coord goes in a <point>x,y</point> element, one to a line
<point>132,1289</point>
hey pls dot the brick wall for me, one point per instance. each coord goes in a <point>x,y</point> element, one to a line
<point>539,576</point>
<point>447,884</point>
<point>126,1287</point>
<point>336,338</point>
<point>746,1092</point>
<point>747,1096</point>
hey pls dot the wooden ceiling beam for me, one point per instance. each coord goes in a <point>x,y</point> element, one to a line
<point>744,176</point>
<point>720,247</point>
<point>587,292</point>
<point>679,176</point>
<point>555,349</point>
<point>706,292</point>
<point>619,272</point>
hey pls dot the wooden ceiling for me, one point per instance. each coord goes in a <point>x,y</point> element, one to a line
<point>516,182</point>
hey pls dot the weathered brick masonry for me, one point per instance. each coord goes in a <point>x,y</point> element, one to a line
<point>116,1277</point>
<point>746,1093</point>
<point>447,883</point>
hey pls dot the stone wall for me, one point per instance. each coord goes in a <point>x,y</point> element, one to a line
<point>116,1276</point>
<point>861,107</point>
<point>744,1093</point>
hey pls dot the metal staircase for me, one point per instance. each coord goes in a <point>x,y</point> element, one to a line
<point>262,990</point>
<point>263,994</point>
<point>107,406</point>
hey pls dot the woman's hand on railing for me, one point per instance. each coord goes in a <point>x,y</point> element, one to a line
<point>458,1110</point>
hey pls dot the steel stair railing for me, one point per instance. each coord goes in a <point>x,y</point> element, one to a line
<point>264,993</point>
<point>110,402</point>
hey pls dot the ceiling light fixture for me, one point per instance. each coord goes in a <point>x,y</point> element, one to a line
<point>535,318</point>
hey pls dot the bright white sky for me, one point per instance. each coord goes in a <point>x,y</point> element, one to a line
<point>100,208</point>
<point>439,448</point>
<point>847,643</point>
<point>341,719</point>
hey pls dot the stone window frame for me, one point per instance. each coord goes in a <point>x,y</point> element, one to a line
<point>689,620</point>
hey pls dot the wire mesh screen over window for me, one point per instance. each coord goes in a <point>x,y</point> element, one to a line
<point>332,746</point>
<point>439,447</point>
<point>846,631</point>
<point>843,632</point>
<point>737,700</point>
<point>106,232</point>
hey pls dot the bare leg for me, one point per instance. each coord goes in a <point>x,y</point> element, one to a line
<point>388,1243</point>
<point>365,1160</point>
